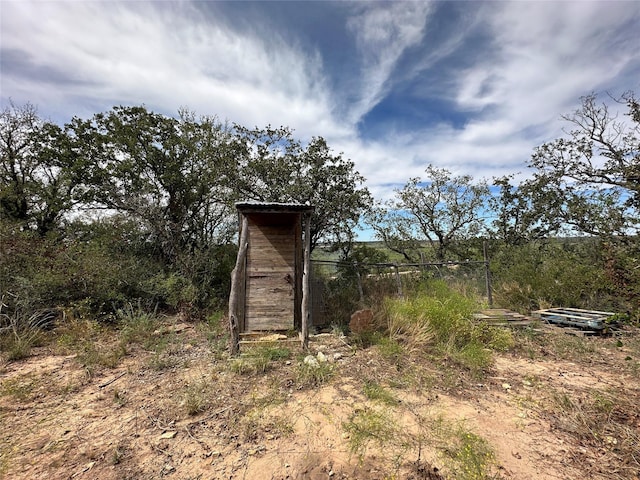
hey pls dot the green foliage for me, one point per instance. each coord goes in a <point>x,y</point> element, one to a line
<point>175,180</point>
<point>441,210</point>
<point>441,318</point>
<point>566,273</point>
<point>314,375</point>
<point>468,455</point>
<point>592,171</point>
<point>366,426</point>
<point>41,177</point>
<point>94,273</point>
<point>271,166</point>
<point>376,392</point>
<point>434,314</point>
<point>340,295</point>
<point>390,348</point>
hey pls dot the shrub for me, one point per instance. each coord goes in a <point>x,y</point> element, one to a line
<point>562,272</point>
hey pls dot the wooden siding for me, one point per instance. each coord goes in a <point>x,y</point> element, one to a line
<point>272,295</point>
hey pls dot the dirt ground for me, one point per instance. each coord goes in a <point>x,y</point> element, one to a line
<point>560,408</point>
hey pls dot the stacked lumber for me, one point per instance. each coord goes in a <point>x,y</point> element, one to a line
<point>503,317</point>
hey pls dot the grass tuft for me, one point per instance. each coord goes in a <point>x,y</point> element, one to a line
<point>314,375</point>
<point>441,320</point>
<point>195,397</point>
<point>259,359</point>
<point>467,455</point>
<point>21,331</point>
<point>376,392</point>
<point>366,426</point>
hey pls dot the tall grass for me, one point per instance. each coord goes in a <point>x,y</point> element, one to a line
<point>440,319</point>
<point>21,330</point>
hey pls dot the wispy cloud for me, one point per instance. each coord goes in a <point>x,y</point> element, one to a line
<point>383,32</point>
<point>470,86</point>
<point>164,55</point>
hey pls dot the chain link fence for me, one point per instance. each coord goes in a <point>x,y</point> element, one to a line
<point>340,288</point>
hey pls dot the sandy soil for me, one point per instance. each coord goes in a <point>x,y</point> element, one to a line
<point>192,417</point>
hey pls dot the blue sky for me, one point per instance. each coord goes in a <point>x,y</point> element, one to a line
<point>395,86</point>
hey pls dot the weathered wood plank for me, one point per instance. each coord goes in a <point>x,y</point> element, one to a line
<point>306,292</point>
<point>236,281</point>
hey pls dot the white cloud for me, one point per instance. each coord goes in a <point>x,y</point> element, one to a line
<point>548,54</point>
<point>165,56</point>
<point>383,32</point>
<point>84,57</point>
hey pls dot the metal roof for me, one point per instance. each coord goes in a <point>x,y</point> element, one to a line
<point>254,206</point>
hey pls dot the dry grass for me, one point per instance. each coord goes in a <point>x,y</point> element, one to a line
<point>391,407</point>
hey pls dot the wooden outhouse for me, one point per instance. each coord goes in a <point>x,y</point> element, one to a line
<point>270,283</point>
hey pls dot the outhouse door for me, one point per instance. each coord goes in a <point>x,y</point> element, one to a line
<point>272,257</point>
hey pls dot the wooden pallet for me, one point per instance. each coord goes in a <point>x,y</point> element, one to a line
<point>593,320</point>
<point>502,317</point>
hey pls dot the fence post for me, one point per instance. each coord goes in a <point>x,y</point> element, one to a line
<point>306,281</point>
<point>487,274</point>
<point>360,291</point>
<point>398,280</point>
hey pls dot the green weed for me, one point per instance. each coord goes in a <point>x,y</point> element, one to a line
<point>467,455</point>
<point>21,388</point>
<point>313,375</point>
<point>366,426</point>
<point>160,361</point>
<point>139,326</point>
<point>441,319</point>
<point>93,355</point>
<point>259,359</point>
<point>195,397</point>
<point>376,392</point>
<point>390,349</point>
<point>473,356</point>
<point>20,331</point>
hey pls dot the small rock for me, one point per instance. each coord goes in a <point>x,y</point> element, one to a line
<point>506,386</point>
<point>168,435</point>
<point>337,356</point>
<point>362,321</point>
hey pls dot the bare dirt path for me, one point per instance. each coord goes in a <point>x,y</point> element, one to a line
<point>189,413</point>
